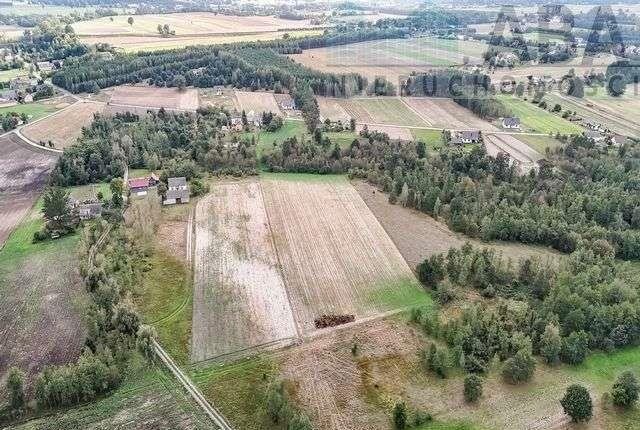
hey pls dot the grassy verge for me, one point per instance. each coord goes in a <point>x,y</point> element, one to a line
<point>343,139</point>
<point>400,294</point>
<point>164,300</point>
<point>303,177</point>
<point>240,390</point>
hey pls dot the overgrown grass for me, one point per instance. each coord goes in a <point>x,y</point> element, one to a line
<point>400,294</point>
<point>343,139</point>
<point>240,390</point>
<point>289,129</point>
<point>432,138</point>
<point>85,192</point>
<point>164,300</point>
<point>440,425</point>
<point>149,397</point>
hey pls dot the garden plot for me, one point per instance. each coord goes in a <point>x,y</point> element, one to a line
<point>392,131</point>
<point>336,258</point>
<point>257,102</point>
<point>240,301</point>
<point>23,174</point>
<point>330,108</point>
<point>155,97</point>
<point>445,113</point>
<point>63,128</point>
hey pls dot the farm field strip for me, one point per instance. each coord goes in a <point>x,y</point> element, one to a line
<point>518,150</point>
<point>615,117</point>
<point>335,256</point>
<point>155,97</point>
<point>23,174</point>
<point>445,113</point>
<point>392,131</point>
<point>240,300</point>
<point>64,127</point>
<point>257,102</point>
<point>538,120</point>
<point>188,23</point>
<point>386,110</point>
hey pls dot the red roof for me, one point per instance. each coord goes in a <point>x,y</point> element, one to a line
<point>138,182</point>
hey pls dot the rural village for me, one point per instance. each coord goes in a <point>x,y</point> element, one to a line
<point>319,215</point>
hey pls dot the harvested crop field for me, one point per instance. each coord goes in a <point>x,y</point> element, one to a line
<point>23,174</point>
<point>272,256</point>
<point>63,128</point>
<point>330,108</point>
<point>257,102</point>
<point>383,111</point>
<point>155,97</point>
<point>190,23</point>
<point>417,235</point>
<point>335,256</point>
<point>392,58</point>
<point>517,150</point>
<point>240,301</point>
<point>445,113</point>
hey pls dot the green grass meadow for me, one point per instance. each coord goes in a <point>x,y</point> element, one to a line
<point>539,120</point>
<point>33,110</point>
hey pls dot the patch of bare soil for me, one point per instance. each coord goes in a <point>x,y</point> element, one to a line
<point>172,236</point>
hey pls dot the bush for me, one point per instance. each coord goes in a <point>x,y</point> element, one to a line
<point>551,344</point>
<point>472,388</point>
<point>400,416</point>
<point>438,360</point>
<point>577,403</point>
<point>40,236</point>
<point>198,188</point>
<point>15,388</point>
<point>575,347</point>
<point>625,390</point>
<point>519,368</point>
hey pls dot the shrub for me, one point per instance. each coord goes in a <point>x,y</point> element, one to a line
<point>519,368</point>
<point>625,390</point>
<point>15,387</point>
<point>577,403</point>
<point>400,416</point>
<point>472,388</point>
<point>551,344</point>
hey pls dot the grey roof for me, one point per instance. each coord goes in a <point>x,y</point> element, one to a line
<point>91,208</point>
<point>470,134</point>
<point>177,182</point>
<point>511,121</point>
<point>177,194</point>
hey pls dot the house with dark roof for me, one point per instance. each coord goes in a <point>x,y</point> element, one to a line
<point>511,122</point>
<point>469,136</point>
<point>177,191</point>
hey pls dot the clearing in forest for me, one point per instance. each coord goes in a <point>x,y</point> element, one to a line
<point>63,128</point>
<point>239,298</point>
<point>257,102</point>
<point>156,97</point>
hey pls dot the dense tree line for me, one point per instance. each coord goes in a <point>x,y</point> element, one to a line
<point>183,143</point>
<point>583,192</point>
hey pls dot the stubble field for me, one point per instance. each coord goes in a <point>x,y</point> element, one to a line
<point>336,258</point>
<point>155,97</point>
<point>272,256</point>
<point>63,128</point>
<point>445,113</point>
<point>517,150</point>
<point>257,102</point>
<point>240,299</point>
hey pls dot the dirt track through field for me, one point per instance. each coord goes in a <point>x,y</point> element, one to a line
<point>23,174</point>
<point>240,299</point>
